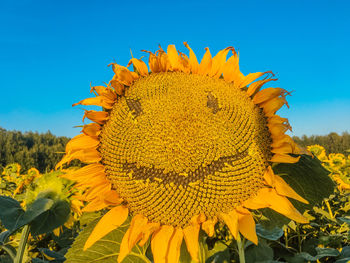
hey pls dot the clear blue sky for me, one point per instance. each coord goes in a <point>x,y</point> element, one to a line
<point>50,51</point>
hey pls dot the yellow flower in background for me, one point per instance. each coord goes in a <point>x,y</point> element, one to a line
<point>318,150</point>
<point>342,182</point>
<point>336,160</point>
<point>180,148</point>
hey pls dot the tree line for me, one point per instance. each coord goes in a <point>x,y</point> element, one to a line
<point>31,149</point>
<point>43,151</point>
<point>333,142</point>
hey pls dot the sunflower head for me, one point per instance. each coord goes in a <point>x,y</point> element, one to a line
<point>318,150</point>
<point>181,147</point>
<point>336,160</point>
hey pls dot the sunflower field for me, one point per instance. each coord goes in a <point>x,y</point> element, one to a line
<point>186,161</point>
<point>49,205</point>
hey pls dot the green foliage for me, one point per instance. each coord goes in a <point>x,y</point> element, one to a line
<point>105,250</point>
<point>30,149</point>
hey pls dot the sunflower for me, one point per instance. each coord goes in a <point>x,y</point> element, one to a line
<point>318,150</point>
<point>182,147</point>
<point>336,160</point>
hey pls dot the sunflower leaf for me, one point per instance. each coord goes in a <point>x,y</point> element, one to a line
<point>308,178</point>
<point>10,213</point>
<point>105,250</point>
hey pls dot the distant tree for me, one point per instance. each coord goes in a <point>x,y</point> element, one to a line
<point>333,142</point>
<point>31,149</point>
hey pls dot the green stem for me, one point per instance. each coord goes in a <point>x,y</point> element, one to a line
<point>240,245</point>
<point>299,237</point>
<point>9,251</point>
<point>22,244</point>
<point>329,209</point>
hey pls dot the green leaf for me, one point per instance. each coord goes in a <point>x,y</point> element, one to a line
<point>326,252</point>
<point>10,213</point>
<point>344,220</point>
<point>308,178</point>
<point>261,252</point>
<point>270,234</point>
<point>219,253</point>
<point>185,256</point>
<point>51,218</point>
<point>345,252</point>
<point>106,250</point>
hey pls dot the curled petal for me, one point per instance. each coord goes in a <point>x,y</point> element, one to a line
<point>140,66</point>
<point>193,62</point>
<point>98,101</point>
<point>218,62</point>
<point>231,70</point>
<point>269,93</point>
<point>123,75</point>
<point>255,87</point>
<point>174,58</point>
<point>99,117</point>
<point>93,130</point>
<point>209,226</point>
<point>206,63</point>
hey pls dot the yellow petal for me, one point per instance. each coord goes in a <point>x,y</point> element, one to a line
<point>97,190</point>
<point>254,87</point>
<point>191,233</point>
<point>173,254</point>
<point>284,158</point>
<point>111,197</point>
<point>255,203</point>
<point>87,172</point>
<point>231,70</point>
<point>246,225</point>
<point>271,106</point>
<point>117,86</point>
<point>94,205</point>
<point>163,60</point>
<point>218,62</point>
<point>153,62</point>
<point>248,79</point>
<point>98,101</point>
<point>85,155</point>
<point>137,224</point>
<point>123,75</point>
<point>281,205</point>
<point>205,65</point>
<point>282,188</point>
<point>110,221</point>
<point>96,116</point>
<point>174,58</point>
<point>92,129</point>
<point>268,94</point>
<point>140,66</point>
<point>81,141</point>
<point>193,63</point>
<point>124,247</point>
<point>160,243</point>
<point>132,236</point>
<point>231,220</point>
<point>209,226</point>
<point>147,231</point>
<point>106,92</point>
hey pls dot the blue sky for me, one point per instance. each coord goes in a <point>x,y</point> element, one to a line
<point>50,52</point>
